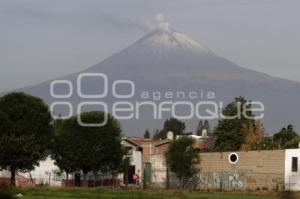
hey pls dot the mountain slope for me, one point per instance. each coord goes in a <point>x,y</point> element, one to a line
<point>166,60</point>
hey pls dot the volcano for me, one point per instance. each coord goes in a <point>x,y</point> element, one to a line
<point>167,60</point>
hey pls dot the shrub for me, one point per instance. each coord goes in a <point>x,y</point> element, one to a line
<point>6,193</point>
<point>286,195</point>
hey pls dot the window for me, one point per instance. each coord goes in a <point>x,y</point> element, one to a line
<point>294,164</point>
<point>57,176</point>
<point>129,150</point>
<point>233,158</point>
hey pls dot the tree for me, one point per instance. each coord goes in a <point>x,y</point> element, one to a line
<point>231,132</point>
<point>293,143</point>
<point>62,150</point>
<point>157,134</point>
<point>147,134</point>
<point>89,148</point>
<point>290,128</point>
<point>25,132</point>
<point>125,169</point>
<point>206,126</point>
<point>181,159</point>
<point>172,124</point>
<point>253,136</point>
<point>284,137</point>
<point>200,128</point>
<point>267,143</point>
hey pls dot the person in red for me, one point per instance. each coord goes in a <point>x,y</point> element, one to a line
<point>136,178</point>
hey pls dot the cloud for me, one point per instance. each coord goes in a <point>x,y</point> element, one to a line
<point>122,22</point>
<point>158,21</point>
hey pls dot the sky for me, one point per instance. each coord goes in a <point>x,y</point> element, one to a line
<point>42,40</point>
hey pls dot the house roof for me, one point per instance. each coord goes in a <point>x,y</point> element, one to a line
<point>163,143</point>
<point>144,140</point>
<point>131,142</point>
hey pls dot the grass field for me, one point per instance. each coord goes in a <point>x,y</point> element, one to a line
<point>100,193</point>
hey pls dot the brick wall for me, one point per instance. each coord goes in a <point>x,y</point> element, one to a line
<point>161,149</point>
<point>20,182</point>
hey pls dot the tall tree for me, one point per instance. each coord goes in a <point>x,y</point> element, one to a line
<point>207,126</point>
<point>147,134</point>
<point>174,125</point>
<point>253,136</point>
<point>25,132</point>
<point>157,134</point>
<point>181,158</point>
<point>230,133</point>
<point>89,148</point>
<point>200,128</point>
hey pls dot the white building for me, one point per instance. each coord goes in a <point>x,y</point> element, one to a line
<point>47,173</point>
<point>134,153</point>
<point>292,170</point>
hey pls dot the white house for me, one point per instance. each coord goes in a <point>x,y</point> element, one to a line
<point>46,173</point>
<point>134,153</point>
<point>292,170</point>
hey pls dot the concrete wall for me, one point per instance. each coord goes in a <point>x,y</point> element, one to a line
<point>292,179</point>
<point>137,162</point>
<point>159,171</point>
<point>255,170</point>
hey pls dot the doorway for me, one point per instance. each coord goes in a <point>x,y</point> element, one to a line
<point>131,172</point>
<point>77,180</point>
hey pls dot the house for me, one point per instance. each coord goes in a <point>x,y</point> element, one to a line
<point>148,148</point>
<point>47,173</point>
<point>134,153</point>
<point>240,170</point>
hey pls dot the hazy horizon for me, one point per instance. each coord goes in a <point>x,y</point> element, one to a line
<point>49,39</point>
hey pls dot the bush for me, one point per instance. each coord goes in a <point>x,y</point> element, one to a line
<point>286,195</point>
<point>6,193</point>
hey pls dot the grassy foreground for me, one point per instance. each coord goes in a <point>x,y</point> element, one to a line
<point>101,193</point>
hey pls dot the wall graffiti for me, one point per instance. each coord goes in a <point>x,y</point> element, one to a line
<point>219,180</point>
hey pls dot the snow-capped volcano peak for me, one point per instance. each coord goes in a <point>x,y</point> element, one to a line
<point>168,39</point>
